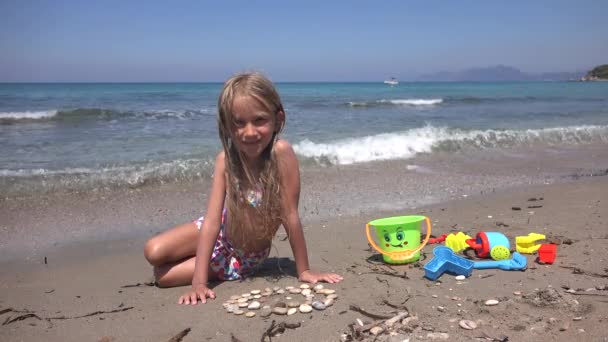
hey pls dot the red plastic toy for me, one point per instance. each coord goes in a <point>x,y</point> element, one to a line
<point>547,253</point>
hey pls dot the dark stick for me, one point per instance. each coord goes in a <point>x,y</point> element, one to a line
<point>180,335</point>
<point>369,314</point>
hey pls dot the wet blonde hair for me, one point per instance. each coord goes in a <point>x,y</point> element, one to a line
<point>259,88</point>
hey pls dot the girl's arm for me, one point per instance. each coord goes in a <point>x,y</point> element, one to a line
<point>209,231</point>
<point>290,190</point>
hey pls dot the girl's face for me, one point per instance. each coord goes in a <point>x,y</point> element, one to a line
<point>253,126</point>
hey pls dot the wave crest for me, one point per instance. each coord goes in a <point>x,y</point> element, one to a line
<point>404,145</point>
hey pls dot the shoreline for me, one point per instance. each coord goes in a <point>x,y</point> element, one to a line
<point>34,225</point>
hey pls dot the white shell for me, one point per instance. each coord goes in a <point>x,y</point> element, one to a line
<point>492,302</point>
<point>305,308</point>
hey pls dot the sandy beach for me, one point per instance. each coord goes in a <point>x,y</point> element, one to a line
<point>73,268</point>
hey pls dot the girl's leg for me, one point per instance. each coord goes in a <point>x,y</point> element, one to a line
<point>172,254</point>
<point>173,245</point>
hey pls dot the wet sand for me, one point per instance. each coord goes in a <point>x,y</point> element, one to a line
<point>73,269</point>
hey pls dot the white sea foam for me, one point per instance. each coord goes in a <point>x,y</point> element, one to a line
<point>27,115</point>
<point>404,145</point>
<point>413,102</point>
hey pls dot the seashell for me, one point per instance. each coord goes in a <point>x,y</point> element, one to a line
<point>268,289</point>
<point>304,286</point>
<point>306,292</point>
<point>279,311</point>
<point>376,330</point>
<point>246,295</point>
<point>460,277</point>
<point>280,291</point>
<point>239,312</point>
<point>255,292</point>
<point>280,305</point>
<point>291,311</point>
<point>266,294</point>
<point>305,308</point>
<point>254,305</point>
<point>332,296</point>
<point>257,296</point>
<point>288,288</point>
<point>308,301</point>
<point>318,305</point>
<point>276,288</point>
<point>293,304</point>
<point>294,290</point>
<point>265,312</point>
<point>326,291</point>
<point>242,300</point>
<point>232,308</point>
<point>318,287</point>
<point>235,297</point>
<point>231,301</point>
<point>517,293</point>
<point>491,302</point>
<point>243,305</point>
<point>250,314</point>
<point>468,325</point>
<point>328,302</point>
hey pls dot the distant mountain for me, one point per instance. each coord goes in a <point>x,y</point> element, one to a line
<point>599,73</point>
<point>497,74</point>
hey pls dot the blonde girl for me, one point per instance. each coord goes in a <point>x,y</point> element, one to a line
<point>255,190</point>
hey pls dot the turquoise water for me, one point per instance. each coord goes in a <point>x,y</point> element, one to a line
<point>82,136</point>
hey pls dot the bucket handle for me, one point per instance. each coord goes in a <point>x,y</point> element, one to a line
<point>403,255</point>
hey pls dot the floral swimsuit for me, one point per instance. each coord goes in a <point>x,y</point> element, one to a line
<point>229,263</point>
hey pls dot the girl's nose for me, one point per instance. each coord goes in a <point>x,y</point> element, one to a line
<point>249,130</point>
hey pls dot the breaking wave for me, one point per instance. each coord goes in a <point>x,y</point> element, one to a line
<point>428,139</point>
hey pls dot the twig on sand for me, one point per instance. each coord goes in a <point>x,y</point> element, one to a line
<point>90,314</point>
<point>21,318</point>
<point>3,311</point>
<point>576,270</point>
<point>180,336</point>
<point>276,329</point>
<point>148,283</point>
<point>369,314</point>
<point>589,294</point>
<point>494,339</point>
<point>397,306</point>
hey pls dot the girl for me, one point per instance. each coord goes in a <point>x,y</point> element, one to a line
<point>255,189</point>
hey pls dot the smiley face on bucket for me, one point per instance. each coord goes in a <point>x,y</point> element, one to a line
<point>395,239</point>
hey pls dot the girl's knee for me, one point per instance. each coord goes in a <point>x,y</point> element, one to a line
<point>153,252</point>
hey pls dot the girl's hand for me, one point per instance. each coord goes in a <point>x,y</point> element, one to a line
<point>198,291</point>
<point>314,277</point>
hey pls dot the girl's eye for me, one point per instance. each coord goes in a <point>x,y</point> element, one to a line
<point>239,123</point>
<point>400,236</point>
<point>387,237</point>
<point>260,121</point>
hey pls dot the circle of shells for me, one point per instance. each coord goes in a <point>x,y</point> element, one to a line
<point>254,302</point>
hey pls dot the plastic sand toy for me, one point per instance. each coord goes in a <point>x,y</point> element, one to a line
<point>527,244</point>
<point>457,241</point>
<point>445,260</point>
<point>399,237</point>
<point>518,262</point>
<point>547,253</point>
<point>491,244</point>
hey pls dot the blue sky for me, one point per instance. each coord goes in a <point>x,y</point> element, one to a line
<point>143,41</point>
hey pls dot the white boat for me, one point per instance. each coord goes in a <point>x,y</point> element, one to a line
<point>393,81</point>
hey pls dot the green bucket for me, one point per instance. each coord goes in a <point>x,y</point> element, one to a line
<point>399,237</point>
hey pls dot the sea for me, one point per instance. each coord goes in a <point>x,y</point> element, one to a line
<point>89,136</point>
